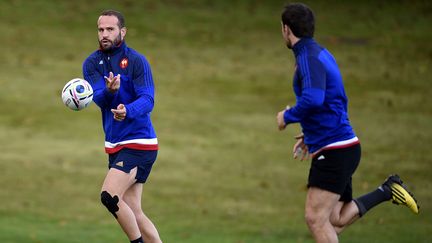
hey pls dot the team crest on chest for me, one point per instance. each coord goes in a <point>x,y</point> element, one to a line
<point>124,63</point>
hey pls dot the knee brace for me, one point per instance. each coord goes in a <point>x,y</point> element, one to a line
<point>110,202</point>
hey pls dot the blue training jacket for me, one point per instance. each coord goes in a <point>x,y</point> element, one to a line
<point>136,93</point>
<point>321,102</point>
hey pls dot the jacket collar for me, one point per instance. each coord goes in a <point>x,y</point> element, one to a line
<point>300,44</point>
<point>115,49</point>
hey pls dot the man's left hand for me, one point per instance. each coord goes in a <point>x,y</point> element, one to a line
<point>119,113</point>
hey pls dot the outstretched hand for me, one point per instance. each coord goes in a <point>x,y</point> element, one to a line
<point>112,82</point>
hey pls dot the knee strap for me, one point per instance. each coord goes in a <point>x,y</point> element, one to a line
<point>110,202</point>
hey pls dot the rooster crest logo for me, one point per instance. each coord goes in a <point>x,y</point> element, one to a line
<point>124,63</point>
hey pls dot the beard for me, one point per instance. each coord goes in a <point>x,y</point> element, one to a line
<point>107,45</point>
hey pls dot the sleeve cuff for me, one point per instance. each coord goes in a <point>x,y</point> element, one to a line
<point>129,112</point>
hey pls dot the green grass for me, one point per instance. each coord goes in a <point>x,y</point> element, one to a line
<point>224,173</point>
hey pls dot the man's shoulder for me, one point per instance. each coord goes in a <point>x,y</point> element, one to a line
<point>308,57</point>
<point>92,57</point>
<point>314,50</point>
<point>314,53</point>
<point>133,55</point>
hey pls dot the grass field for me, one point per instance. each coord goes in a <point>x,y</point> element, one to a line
<point>224,173</point>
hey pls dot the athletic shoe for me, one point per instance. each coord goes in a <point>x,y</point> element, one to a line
<point>400,194</point>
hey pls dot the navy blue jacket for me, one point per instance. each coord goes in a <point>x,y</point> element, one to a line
<point>321,102</point>
<point>136,93</point>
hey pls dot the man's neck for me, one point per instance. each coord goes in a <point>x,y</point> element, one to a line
<point>294,40</point>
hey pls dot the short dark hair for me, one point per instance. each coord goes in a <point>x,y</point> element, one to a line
<point>120,17</point>
<point>300,19</point>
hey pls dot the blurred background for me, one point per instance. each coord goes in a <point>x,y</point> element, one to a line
<point>222,72</point>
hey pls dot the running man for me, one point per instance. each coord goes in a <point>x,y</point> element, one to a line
<point>321,110</point>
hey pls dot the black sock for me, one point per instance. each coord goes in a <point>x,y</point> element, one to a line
<point>370,200</point>
<point>139,240</point>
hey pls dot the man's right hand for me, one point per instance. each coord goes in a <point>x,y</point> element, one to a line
<point>112,82</point>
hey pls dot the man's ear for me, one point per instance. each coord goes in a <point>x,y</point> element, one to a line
<point>123,32</point>
<point>287,30</point>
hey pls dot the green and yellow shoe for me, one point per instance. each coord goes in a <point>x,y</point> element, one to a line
<point>400,194</point>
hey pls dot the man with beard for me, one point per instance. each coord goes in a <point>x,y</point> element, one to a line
<point>123,89</point>
<point>321,109</point>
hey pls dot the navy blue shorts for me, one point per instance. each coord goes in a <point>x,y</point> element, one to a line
<point>332,170</point>
<point>126,159</point>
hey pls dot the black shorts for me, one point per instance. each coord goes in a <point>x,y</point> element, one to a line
<point>332,170</point>
<point>126,159</point>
